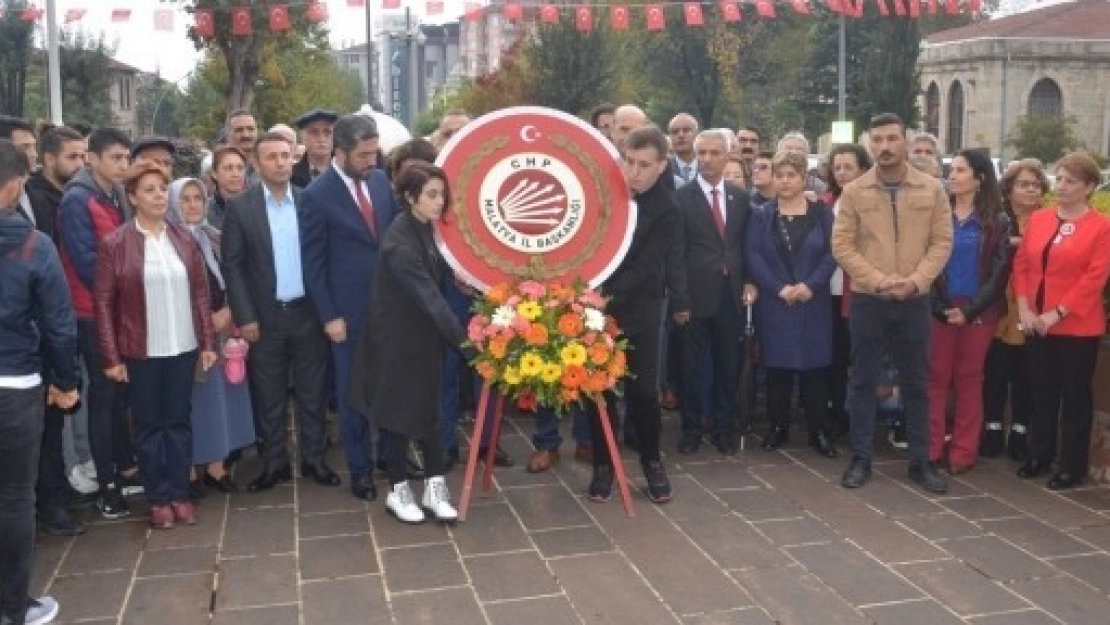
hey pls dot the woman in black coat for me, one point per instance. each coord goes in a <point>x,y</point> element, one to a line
<point>399,359</point>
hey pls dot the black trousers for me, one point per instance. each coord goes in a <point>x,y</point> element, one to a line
<point>711,370</point>
<point>641,326</point>
<point>52,489</point>
<point>109,429</point>
<point>21,423</point>
<point>161,391</point>
<point>294,342</point>
<point>1007,375</point>
<point>813,393</point>
<point>397,460</point>
<point>1063,367</point>
<point>837,378</point>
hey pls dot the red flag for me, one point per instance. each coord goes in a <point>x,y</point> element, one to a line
<point>952,7</point>
<point>356,3</point>
<point>434,7</point>
<point>279,18</point>
<point>205,27</point>
<point>656,18</point>
<point>316,12</point>
<point>915,8</point>
<point>694,15</point>
<point>883,10</point>
<point>121,15</point>
<point>974,6</point>
<point>241,21</point>
<point>834,6</point>
<point>74,15</point>
<point>163,20</point>
<point>899,8</point>
<point>618,17</point>
<point>800,7</point>
<point>765,8</point>
<point>30,14</point>
<point>391,4</point>
<point>584,19</point>
<point>932,7</point>
<point>472,12</point>
<point>549,14</point>
<point>513,12</point>
<point>730,11</point>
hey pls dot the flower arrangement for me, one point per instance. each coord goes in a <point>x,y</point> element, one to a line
<point>546,344</point>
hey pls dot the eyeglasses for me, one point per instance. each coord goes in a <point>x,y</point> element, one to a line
<point>760,167</point>
<point>1034,185</point>
<point>747,140</point>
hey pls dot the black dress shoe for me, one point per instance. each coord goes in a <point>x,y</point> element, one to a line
<point>1017,446</point>
<point>1064,480</point>
<point>196,490</point>
<point>362,487</point>
<point>727,444</point>
<point>270,478</point>
<point>224,484</point>
<point>61,523</point>
<point>775,438</point>
<point>857,474</point>
<point>993,441</point>
<point>500,458</point>
<point>1032,469</point>
<point>822,443</point>
<point>689,444</point>
<point>926,474</point>
<point>320,473</point>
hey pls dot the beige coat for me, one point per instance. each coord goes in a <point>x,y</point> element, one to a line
<point>871,239</point>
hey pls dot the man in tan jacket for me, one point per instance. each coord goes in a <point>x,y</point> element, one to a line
<point>892,236</point>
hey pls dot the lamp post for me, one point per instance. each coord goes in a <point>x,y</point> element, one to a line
<point>53,64</point>
<point>162,96</point>
<point>371,88</point>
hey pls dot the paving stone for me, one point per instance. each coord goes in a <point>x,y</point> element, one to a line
<point>177,561</point>
<point>456,606</point>
<point>1036,537</point>
<point>348,600</point>
<point>510,576</point>
<point>422,568</point>
<point>943,526</point>
<point>277,497</point>
<point>732,543</point>
<point>721,474</point>
<point>91,596</point>
<point>961,588</point>
<point>490,529</point>
<point>571,541</point>
<point>207,533</point>
<point>389,532</point>
<point>604,588</point>
<point>269,615</point>
<point>547,610</point>
<point>1025,617</point>
<point>313,499</point>
<point>1066,599</point>
<point>742,616</point>
<point>979,508</point>
<point>258,531</point>
<point>997,559</point>
<point>761,504</point>
<point>895,500</point>
<point>337,556</point>
<point>342,523</point>
<point>925,612</point>
<point>113,547</point>
<point>692,500</point>
<point>789,595</point>
<point>1093,569</point>
<point>852,574</point>
<point>547,506</point>
<point>1098,536</point>
<point>1094,498</point>
<point>178,600</point>
<point>257,581</point>
<point>799,531</point>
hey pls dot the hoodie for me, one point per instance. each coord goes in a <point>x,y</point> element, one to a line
<point>45,200</point>
<point>35,306</point>
<point>86,216</point>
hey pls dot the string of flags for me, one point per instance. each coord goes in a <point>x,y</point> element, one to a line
<point>654,14</point>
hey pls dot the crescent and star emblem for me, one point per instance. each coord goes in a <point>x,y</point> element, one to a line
<point>529,134</point>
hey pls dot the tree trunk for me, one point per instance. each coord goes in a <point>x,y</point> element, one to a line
<point>243,68</point>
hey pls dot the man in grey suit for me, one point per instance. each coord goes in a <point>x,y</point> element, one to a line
<point>684,164</point>
<point>266,291</point>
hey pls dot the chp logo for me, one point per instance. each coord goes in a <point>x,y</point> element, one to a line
<point>536,195</point>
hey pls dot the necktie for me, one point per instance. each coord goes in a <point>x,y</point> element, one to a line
<point>719,219</point>
<point>366,208</point>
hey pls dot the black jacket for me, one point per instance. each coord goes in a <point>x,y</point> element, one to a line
<point>45,200</point>
<point>996,255</point>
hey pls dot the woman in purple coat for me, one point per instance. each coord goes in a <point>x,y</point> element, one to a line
<point>789,258</point>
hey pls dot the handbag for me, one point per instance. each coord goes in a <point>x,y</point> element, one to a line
<point>235,353</point>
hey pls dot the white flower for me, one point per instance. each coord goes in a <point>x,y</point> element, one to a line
<point>503,316</point>
<point>595,320</point>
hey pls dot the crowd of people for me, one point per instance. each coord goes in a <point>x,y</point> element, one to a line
<point>153,328</point>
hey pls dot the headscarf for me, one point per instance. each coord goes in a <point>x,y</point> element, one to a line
<point>173,214</point>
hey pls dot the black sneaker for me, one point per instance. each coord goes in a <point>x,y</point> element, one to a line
<point>1017,445</point>
<point>658,486</point>
<point>994,439</point>
<point>111,503</point>
<point>898,436</point>
<point>601,485</point>
<point>927,476</point>
<point>130,486</point>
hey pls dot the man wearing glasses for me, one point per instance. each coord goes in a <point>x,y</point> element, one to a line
<point>763,181</point>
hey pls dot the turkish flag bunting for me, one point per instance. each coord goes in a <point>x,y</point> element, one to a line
<point>765,8</point>
<point>391,4</point>
<point>279,18</point>
<point>975,6</point>
<point>952,7</point>
<point>205,27</point>
<point>30,14</point>
<point>835,7</point>
<point>549,14</point>
<point>656,18</point>
<point>932,7</point>
<point>584,19</point>
<point>74,15</point>
<point>618,17</point>
<point>730,11</point>
<point>434,7</point>
<point>472,12</point>
<point>800,7</point>
<point>163,20</point>
<point>241,21</point>
<point>316,12</point>
<point>693,13</point>
<point>356,3</point>
<point>915,8</point>
<point>883,10</point>
<point>513,12</point>
<point>121,15</point>
<point>899,8</point>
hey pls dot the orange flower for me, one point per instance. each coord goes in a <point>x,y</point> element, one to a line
<point>497,347</point>
<point>569,394</point>
<point>486,370</point>
<point>499,294</point>
<point>597,382</point>
<point>574,376</point>
<point>536,334</point>
<point>570,325</point>
<point>599,353</point>
<point>619,365</point>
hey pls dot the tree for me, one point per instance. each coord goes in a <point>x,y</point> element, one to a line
<point>86,62</point>
<point>1045,137</point>
<point>242,54</point>
<point>571,70</point>
<point>161,97</point>
<point>506,86</point>
<point>15,58</point>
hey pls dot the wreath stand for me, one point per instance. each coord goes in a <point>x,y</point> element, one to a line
<point>499,411</point>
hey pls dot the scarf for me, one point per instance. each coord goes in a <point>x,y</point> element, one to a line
<point>199,232</point>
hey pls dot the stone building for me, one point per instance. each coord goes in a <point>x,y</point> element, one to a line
<point>977,80</point>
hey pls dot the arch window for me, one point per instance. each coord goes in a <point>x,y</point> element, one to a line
<point>1045,98</point>
<point>932,109</point>
<point>954,137</point>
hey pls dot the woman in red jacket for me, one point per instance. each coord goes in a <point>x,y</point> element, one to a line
<point>152,314</point>
<point>1059,273</point>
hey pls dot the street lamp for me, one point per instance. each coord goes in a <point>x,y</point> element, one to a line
<point>162,96</point>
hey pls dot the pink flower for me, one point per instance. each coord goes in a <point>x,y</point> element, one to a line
<point>532,289</point>
<point>475,330</point>
<point>490,331</point>
<point>520,324</point>
<point>592,299</point>
<point>513,301</point>
<point>578,308</point>
<point>590,338</point>
<point>551,303</point>
<point>508,334</point>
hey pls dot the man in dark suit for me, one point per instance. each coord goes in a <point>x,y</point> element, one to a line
<point>265,280</point>
<point>343,217</point>
<point>708,295</point>
<point>316,128</point>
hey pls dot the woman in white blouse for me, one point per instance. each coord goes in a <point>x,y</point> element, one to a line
<point>155,332</point>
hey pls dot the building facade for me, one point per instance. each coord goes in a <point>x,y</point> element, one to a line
<point>978,80</point>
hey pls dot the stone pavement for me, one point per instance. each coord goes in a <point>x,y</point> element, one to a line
<point>756,538</point>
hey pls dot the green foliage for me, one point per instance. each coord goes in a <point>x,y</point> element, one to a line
<point>15,58</point>
<point>569,69</point>
<point>86,76</point>
<point>157,96</point>
<point>1047,137</point>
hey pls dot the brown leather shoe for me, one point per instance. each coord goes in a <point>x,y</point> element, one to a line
<point>583,454</point>
<point>542,460</point>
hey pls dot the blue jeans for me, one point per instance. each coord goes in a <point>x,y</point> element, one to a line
<point>903,327</point>
<point>21,424</point>
<point>547,437</point>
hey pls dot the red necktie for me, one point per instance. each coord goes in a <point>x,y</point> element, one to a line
<point>719,219</point>
<point>366,208</point>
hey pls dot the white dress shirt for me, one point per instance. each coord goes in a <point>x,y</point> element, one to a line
<point>707,189</point>
<point>169,308</point>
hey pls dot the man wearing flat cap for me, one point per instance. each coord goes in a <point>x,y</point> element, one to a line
<point>158,150</point>
<point>315,127</point>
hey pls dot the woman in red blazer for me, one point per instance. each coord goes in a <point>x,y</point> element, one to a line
<point>1059,273</point>
<point>154,324</point>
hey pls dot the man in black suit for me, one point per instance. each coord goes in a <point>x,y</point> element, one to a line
<point>266,290</point>
<point>708,294</point>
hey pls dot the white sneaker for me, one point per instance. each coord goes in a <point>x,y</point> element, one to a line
<point>41,611</point>
<point>81,482</point>
<point>402,505</point>
<point>437,499</point>
<point>89,469</point>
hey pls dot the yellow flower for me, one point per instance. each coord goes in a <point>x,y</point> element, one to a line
<point>529,310</point>
<point>531,364</point>
<point>511,376</point>
<point>551,373</point>
<point>573,354</point>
